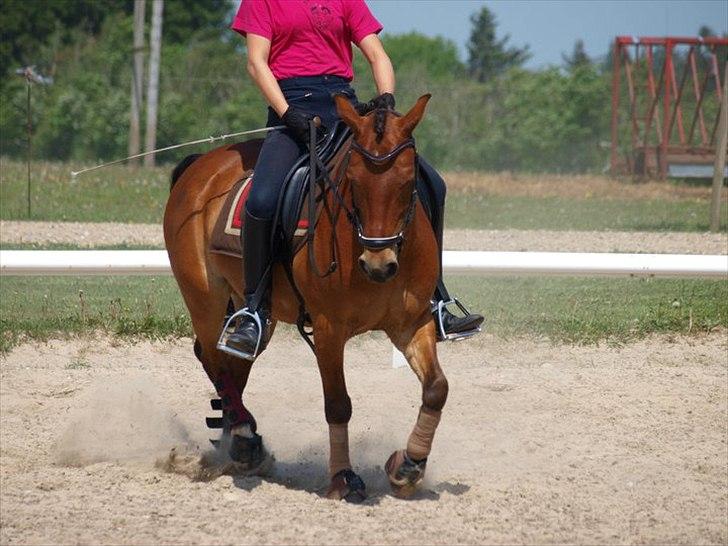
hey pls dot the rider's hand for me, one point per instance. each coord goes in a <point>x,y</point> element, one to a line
<point>385,101</point>
<point>298,123</point>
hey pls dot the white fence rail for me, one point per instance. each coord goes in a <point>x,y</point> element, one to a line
<point>155,262</point>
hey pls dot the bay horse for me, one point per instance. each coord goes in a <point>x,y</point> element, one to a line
<point>382,282</point>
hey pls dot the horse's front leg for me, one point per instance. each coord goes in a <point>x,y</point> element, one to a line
<point>345,484</point>
<point>406,468</point>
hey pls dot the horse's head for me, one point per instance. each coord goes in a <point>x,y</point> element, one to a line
<point>382,170</point>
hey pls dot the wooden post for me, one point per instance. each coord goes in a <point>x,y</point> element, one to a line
<point>155,43</point>
<point>137,79</point>
<point>721,141</point>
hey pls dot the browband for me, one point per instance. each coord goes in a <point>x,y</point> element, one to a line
<point>394,152</point>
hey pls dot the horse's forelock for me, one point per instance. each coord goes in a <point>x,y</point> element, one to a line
<point>380,121</point>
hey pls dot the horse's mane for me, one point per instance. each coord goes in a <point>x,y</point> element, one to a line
<point>380,121</point>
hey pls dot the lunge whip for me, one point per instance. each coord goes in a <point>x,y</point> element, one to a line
<point>210,139</point>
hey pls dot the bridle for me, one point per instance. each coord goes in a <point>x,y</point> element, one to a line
<point>378,243</point>
<point>319,175</point>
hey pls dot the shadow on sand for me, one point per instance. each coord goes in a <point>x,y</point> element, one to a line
<point>307,474</point>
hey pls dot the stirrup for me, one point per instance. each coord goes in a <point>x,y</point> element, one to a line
<point>229,328</point>
<point>437,307</point>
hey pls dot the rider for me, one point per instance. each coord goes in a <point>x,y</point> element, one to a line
<point>299,55</point>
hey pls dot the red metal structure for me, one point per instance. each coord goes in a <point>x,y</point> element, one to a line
<point>658,127</point>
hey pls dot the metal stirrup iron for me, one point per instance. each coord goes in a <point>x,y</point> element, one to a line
<point>438,308</point>
<point>229,328</point>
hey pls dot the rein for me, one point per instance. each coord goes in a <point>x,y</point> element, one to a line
<point>319,174</point>
<point>352,214</point>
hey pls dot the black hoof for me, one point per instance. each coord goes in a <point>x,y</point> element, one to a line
<point>247,451</point>
<point>347,485</point>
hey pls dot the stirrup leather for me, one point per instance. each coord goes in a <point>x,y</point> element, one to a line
<point>229,328</point>
<point>437,309</point>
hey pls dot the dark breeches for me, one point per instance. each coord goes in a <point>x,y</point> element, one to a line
<point>278,154</point>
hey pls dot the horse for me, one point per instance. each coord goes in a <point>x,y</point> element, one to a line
<point>381,282</point>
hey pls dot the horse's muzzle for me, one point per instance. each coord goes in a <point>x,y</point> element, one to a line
<point>380,265</point>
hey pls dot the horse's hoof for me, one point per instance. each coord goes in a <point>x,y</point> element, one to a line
<point>248,456</point>
<point>346,485</point>
<point>404,474</point>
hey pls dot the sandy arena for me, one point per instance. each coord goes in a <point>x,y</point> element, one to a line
<point>538,444</point>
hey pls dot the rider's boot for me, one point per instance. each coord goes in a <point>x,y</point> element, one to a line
<point>449,325</point>
<point>252,330</point>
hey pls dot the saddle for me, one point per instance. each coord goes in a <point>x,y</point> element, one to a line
<point>292,211</point>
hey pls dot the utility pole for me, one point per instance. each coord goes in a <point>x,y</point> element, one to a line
<point>31,77</point>
<point>721,141</point>
<point>155,43</point>
<point>137,79</point>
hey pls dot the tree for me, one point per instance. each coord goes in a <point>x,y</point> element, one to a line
<point>578,57</point>
<point>489,57</point>
<point>26,27</point>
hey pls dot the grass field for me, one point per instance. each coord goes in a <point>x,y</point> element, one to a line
<point>578,310</point>
<point>120,194</point>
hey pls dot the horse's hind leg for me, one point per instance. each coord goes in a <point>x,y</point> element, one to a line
<point>208,305</point>
<point>406,468</point>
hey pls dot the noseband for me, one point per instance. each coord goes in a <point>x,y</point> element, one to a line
<point>378,243</point>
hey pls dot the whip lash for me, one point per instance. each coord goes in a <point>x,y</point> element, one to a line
<point>210,139</point>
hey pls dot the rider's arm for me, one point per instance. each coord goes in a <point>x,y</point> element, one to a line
<point>371,47</point>
<point>258,52</point>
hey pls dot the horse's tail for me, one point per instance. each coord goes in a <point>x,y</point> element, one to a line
<point>182,167</point>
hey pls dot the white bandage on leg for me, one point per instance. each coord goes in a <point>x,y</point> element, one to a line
<point>420,441</point>
<point>338,448</point>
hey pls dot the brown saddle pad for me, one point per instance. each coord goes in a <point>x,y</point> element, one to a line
<point>229,225</point>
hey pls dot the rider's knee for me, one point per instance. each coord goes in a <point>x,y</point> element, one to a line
<point>260,204</point>
<point>434,394</point>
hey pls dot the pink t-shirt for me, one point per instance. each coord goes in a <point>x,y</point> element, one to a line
<point>308,37</point>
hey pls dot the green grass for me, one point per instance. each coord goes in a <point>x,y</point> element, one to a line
<point>45,307</point>
<point>495,212</point>
<point>113,194</point>
<point>121,194</point>
<point>589,310</point>
<point>574,310</point>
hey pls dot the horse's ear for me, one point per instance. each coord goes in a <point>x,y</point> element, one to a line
<point>409,121</point>
<point>347,112</point>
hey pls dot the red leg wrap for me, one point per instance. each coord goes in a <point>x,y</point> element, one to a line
<point>232,402</point>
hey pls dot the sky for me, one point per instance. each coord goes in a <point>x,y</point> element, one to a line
<point>550,27</point>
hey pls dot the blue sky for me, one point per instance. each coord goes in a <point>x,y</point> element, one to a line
<point>551,27</point>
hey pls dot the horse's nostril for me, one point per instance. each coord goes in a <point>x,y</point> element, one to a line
<point>392,269</point>
<point>363,265</point>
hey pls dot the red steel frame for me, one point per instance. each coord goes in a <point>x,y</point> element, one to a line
<point>648,156</point>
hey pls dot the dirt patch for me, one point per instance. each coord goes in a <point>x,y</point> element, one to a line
<point>90,235</point>
<point>508,184</point>
<point>540,240</point>
<point>539,443</point>
<point>82,234</point>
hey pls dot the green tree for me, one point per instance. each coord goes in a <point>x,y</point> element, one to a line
<point>26,27</point>
<point>578,57</point>
<point>489,57</point>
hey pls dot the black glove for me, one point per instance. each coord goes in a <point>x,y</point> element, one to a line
<point>384,101</point>
<point>297,122</point>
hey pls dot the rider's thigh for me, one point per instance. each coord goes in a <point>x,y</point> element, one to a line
<point>277,155</point>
